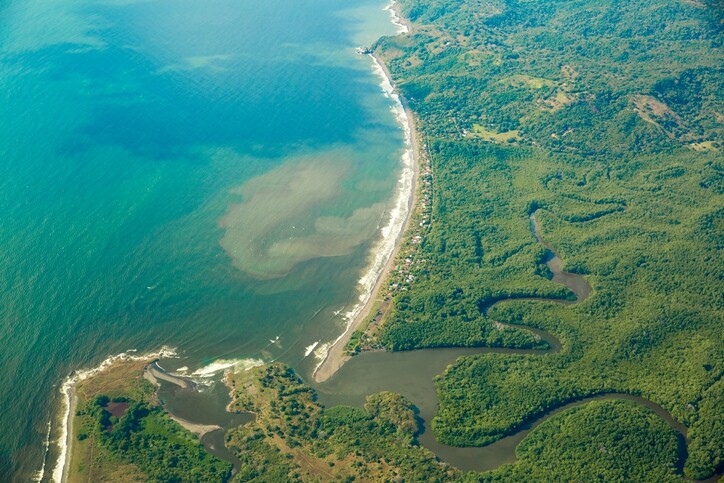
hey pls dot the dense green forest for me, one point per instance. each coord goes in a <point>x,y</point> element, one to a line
<point>601,441</point>
<point>605,118</point>
<point>146,437</point>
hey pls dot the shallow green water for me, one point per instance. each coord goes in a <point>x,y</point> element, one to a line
<point>205,175</point>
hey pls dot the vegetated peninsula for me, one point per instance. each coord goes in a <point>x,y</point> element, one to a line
<point>598,122</point>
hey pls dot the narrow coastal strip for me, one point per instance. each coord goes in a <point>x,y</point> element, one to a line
<point>385,251</point>
<point>67,389</point>
<point>403,26</point>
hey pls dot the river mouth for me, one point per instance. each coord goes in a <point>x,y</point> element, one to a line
<point>202,405</point>
<point>411,374</point>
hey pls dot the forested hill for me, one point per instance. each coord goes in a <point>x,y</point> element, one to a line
<point>605,119</point>
<point>598,79</point>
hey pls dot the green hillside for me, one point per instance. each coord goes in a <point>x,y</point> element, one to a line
<point>605,118</point>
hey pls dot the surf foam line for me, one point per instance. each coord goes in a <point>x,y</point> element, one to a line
<point>41,472</point>
<point>382,251</point>
<point>310,348</point>
<point>226,364</point>
<point>395,19</point>
<point>67,389</point>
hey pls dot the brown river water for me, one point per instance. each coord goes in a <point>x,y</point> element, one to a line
<point>412,375</point>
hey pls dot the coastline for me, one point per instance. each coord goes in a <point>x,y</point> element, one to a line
<point>69,402</point>
<point>398,20</point>
<point>60,472</point>
<point>63,423</point>
<point>335,356</point>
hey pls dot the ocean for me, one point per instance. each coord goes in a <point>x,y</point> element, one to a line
<point>207,176</point>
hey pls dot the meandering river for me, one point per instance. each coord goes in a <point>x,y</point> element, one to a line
<point>412,374</point>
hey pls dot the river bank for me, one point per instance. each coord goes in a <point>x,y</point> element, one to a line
<point>412,374</point>
<point>575,282</point>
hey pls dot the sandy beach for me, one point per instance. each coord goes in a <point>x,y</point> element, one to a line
<point>198,429</point>
<point>61,470</point>
<point>154,372</point>
<point>335,356</point>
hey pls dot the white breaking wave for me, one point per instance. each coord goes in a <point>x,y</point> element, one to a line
<point>41,472</point>
<point>382,251</point>
<point>321,353</point>
<point>67,389</point>
<point>308,350</point>
<point>395,19</point>
<point>227,364</point>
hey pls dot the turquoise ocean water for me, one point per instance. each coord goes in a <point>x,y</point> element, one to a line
<point>203,175</point>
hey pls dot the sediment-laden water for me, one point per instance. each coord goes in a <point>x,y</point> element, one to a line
<point>209,176</point>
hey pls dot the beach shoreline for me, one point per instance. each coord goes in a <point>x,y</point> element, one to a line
<point>67,434</point>
<point>335,356</point>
